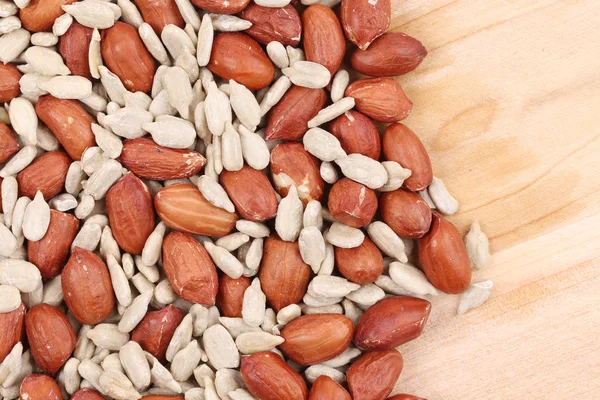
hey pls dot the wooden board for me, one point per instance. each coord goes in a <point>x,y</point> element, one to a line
<point>508,104</point>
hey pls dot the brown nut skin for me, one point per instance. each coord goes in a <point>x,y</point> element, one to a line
<point>406,213</point>
<point>380,98</point>
<point>444,258</point>
<point>86,394</point>
<point>131,213</point>
<point>160,13</point>
<point>76,136</point>
<point>352,203</point>
<point>283,275</point>
<point>39,15</point>
<point>155,330</point>
<point>51,252</point>
<point>126,56</point>
<point>391,322</point>
<point>74,48</point>
<point>363,21</point>
<point>324,41</point>
<point>326,388</point>
<point>13,324</point>
<point>391,54</point>
<point>87,287</point>
<point>281,24</point>
<point>239,57</point>
<point>231,295</point>
<point>372,377</point>
<point>259,204</point>
<point>362,264</point>
<point>148,160</point>
<point>402,145</point>
<point>268,377</point>
<point>51,338</point>
<point>289,118</point>
<point>357,134</point>
<point>405,396</point>
<point>182,207</point>
<point>9,83</point>
<point>39,387</point>
<point>190,270</point>
<point>8,143</point>
<point>315,338</point>
<point>46,173</point>
<point>292,165</point>
<point>221,6</point>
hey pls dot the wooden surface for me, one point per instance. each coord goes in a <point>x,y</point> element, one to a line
<point>508,104</point>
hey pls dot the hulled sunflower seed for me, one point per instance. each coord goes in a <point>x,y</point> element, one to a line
<point>53,293</point>
<point>411,278</point>
<point>478,246</point>
<point>173,132</point>
<point>331,112</point>
<point>214,193</point>
<point>387,240</point>
<point>11,363</point>
<point>179,88</point>
<point>396,176</point>
<point>108,336</point>
<point>217,109</point>
<point>274,94</point>
<point>244,105</point>
<point>442,199</point>
<point>278,54</point>
<point>231,149</point>
<point>174,39</point>
<point>240,394</point>
<point>19,161</point>
<point>10,298</point>
<point>44,39</point>
<point>135,365</point>
<point>116,385</point>
<point>189,64</point>
<point>339,85</point>
<point>13,23</point>
<point>12,44</point>
<point>475,296</point>
<point>152,247</point>
<point>220,348</point>
<point>224,260</point>
<point>344,236</point>
<point>312,215</point>
<point>425,195</point>
<point>154,45</point>
<point>345,358</point>
<point>227,380</point>
<point>119,281</point>
<point>186,359</point>
<point>21,274</point>
<point>254,304</point>
<point>252,229</point>
<point>329,262</point>
<point>363,169</point>
<point>62,24</point>
<point>23,119</point>
<point>107,141</point>
<point>112,362</point>
<point>161,377</point>
<point>205,40</point>
<point>314,371</point>
<point>229,23</point>
<point>288,314</point>
<point>328,172</point>
<point>46,139</point>
<point>68,87</point>
<point>74,177</point>
<point>254,254</point>
<point>333,309</point>
<point>391,287</point>
<point>312,247</point>
<point>30,85</point>
<point>91,372</point>
<point>323,145</point>
<point>331,286</point>
<point>181,337</point>
<point>128,122</point>
<point>367,295</point>
<point>18,215</point>
<point>308,74</point>
<point>254,149</point>
<point>131,14</point>
<point>203,371</point>
<point>103,178</point>
<point>9,189</point>
<point>320,301</point>
<point>93,14</point>
<point>288,221</point>
<point>233,241</point>
<point>113,85</point>
<point>46,61</point>
<point>163,292</point>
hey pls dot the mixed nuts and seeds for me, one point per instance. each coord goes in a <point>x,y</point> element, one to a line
<point>194,204</point>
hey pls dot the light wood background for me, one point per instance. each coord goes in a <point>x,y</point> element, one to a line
<point>508,104</point>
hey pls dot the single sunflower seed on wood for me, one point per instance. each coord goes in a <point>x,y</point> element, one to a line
<point>475,296</point>
<point>478,246</point>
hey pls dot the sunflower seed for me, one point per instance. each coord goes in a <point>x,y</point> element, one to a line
<point>113,85</point>
<point>160,376</point>
<point>478,246</point>
<point>345,358</point>
<point>205,40</point>
<point>218,110</point>
<point>10,24</point>
<point>241,394</point>
<point>331,112</point>
<point>91,372</point>
<point>323,145</point>
<point>254,304</point>
<point>108,336</point>
<point>116,385</point>
<point>12,362</point>
<point>24,119</point>
<point>387,240</point>
<point>329,262</point>
<point>46,61</point>
<point>308,74</point>
<point>103,178</point>
<point>184,362</point>
<point>9,189</point>
<point>154,45</point>
<point>74,177</point>
<point>231,149</point>
<point>475,296</point>
<point>8,9</point>
<point>225,261</point>
<point>131,14</point>
<point>339,85</point>
<point>328,172</point>
<point>94,55</point>
<point>163,292</point>
<point>363,169</point>
<point>396,176</point>
<point>173,132</point>
<point>220,348</point>
<point>19,161</point>
<point>391,287</point>
<point>52,293</point>
<point>442,199</point>
<point>12,44</point>
<point>62,24</point>
<point>367,295</point>
<point>135,365</point>
<point>274,94</point>
<point>331,286</point>
<point>411,279</point>
<point>254,149</point>
<point>20,274</point>
<point>119,281</point>
<point>179,88</point>
<point>288,314</point>
<point>203,371</point>
<point>314,371</point>
<point>320,301</point>
<point>312,247</point>
<point>252,229</point>
<point>344,236</point>
<point>128,122</point>
<point>181,337</point>
<point>425,196</point>
<point>227,380</point>
<point>288,221</point>
<point>174,39</point>
<point>254,254</point>
<point>333,309</point>
<point>244,105</point>
<point>229,23</point>
<point>189,64</point>
<point>93,14</point>
<point>278,54</point>
<point>18,215</point>
<point>10,298</point>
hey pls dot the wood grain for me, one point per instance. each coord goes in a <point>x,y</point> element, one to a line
<point>507,102</point>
